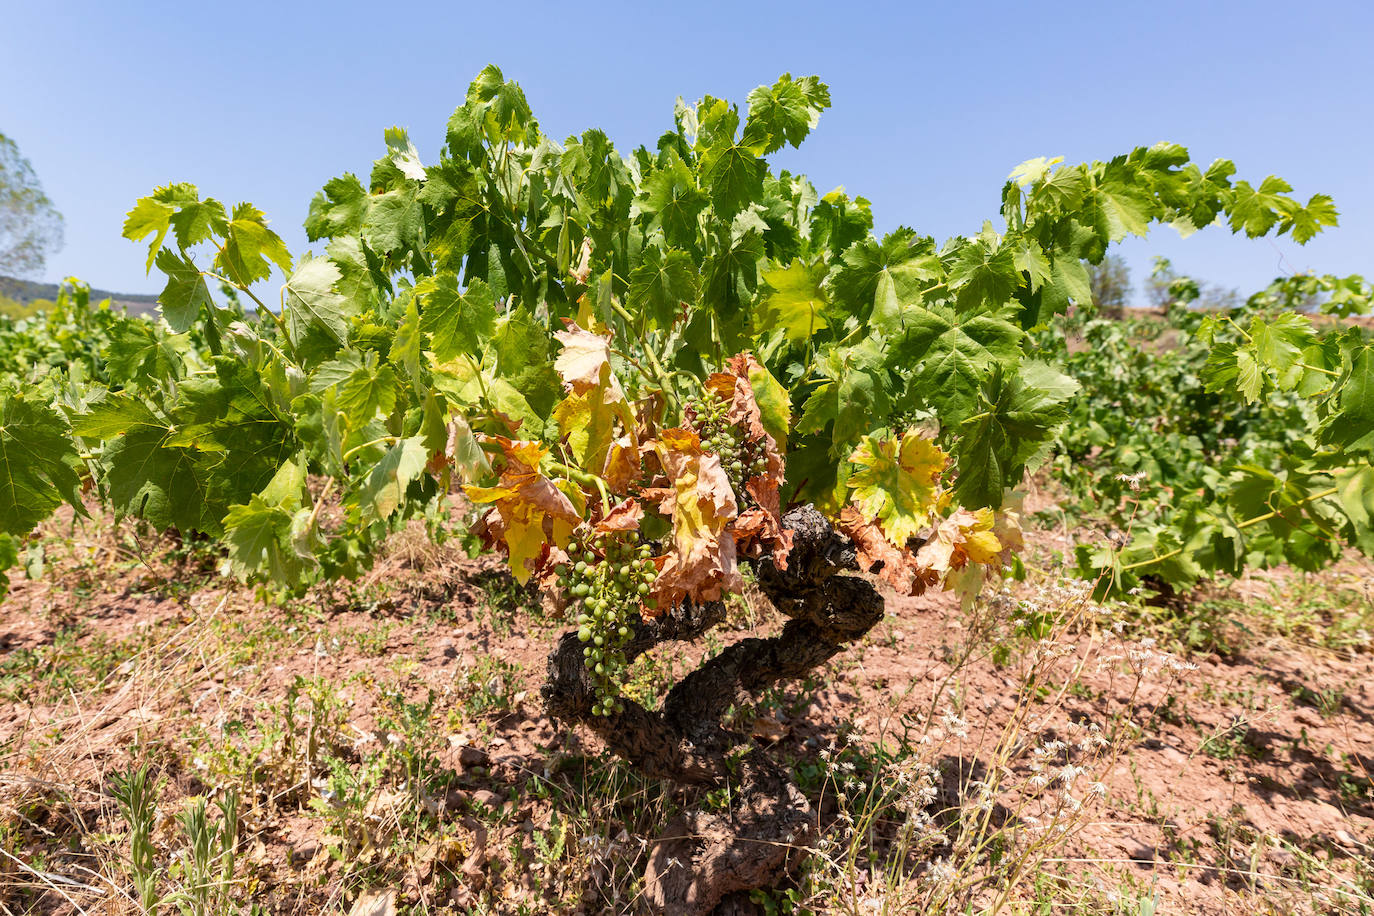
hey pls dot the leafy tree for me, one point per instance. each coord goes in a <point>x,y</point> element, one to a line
<point>1166,287</point>
<point>1110,282</point>
<point>30,226</point>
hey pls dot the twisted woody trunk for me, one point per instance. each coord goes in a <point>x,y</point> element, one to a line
<point>701,858</point>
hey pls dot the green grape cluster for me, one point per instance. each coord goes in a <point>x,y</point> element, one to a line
<point>607,577</point>
<point>740,456</point>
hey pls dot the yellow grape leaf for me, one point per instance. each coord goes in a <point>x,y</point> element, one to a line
<point>896,483</point>
<point>775,407</point>
<point>588,423</point>
<point>529,509</point>
<point>701,562</point>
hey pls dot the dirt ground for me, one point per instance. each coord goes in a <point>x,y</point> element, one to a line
<point>388,748</point>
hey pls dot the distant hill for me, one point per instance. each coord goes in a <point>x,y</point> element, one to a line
<point>26,291</point>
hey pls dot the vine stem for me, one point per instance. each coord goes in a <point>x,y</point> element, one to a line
<point>582,478</point>
<point>319,501</point>
<point>1329,491</point>
<point>660,375</point>
<point>358,448</point>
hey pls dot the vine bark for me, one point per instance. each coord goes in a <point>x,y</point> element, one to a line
<point>702,857</point>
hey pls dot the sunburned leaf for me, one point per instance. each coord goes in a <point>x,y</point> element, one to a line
<point>532,510</point>
<point>759,528</point>
<point>775,407</point>
<point>624,516</point>
<point>876,554</point>
<point>895,483</point>
<point>582,359</point>
<point>465,451</point>
<point>700,562</point>
<point>962,538</point>
<point>624,463</point>
<point>588,423</point>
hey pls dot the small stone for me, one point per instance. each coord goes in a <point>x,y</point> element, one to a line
<point>488,799</point>
<point>304,852</point>
<point>1282,859</point>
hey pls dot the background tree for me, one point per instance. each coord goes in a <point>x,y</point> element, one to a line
<point>1110,282</point>
<point>30,226</point>
<point>1167,286</point>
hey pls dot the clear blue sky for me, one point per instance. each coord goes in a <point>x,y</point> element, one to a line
<point>933,103</point>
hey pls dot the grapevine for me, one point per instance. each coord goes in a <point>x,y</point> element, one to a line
<point>651,373</point>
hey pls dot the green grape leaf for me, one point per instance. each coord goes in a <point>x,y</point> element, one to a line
<point>384,488</point>
<point>185,292</point>
<point>369,390</point>
<point>138,353</point>
<point>1351,425</point>
<point>265,536</point>
<point>1257,210</point>
<point>1305,222</point>
<point>670,197</point>
<point>458,322</point>
<point>313,302</point>
<point>1278,345</point>
<point>955,353</point>
<point>38,463</point>
<point>1030,259</point>
<point>985,274</point>
<point>787,111</point>
<point>395,221</point>
<point>337,210</point>
<point>1018,414</point>
<point>250,248</point>
<point>730,170</point>
<point>169,487</point>
<point>149,216</point>
<point>662,284</point>
<point>794,302</point>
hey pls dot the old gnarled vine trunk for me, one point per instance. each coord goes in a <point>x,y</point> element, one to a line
<point>703,857</point>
